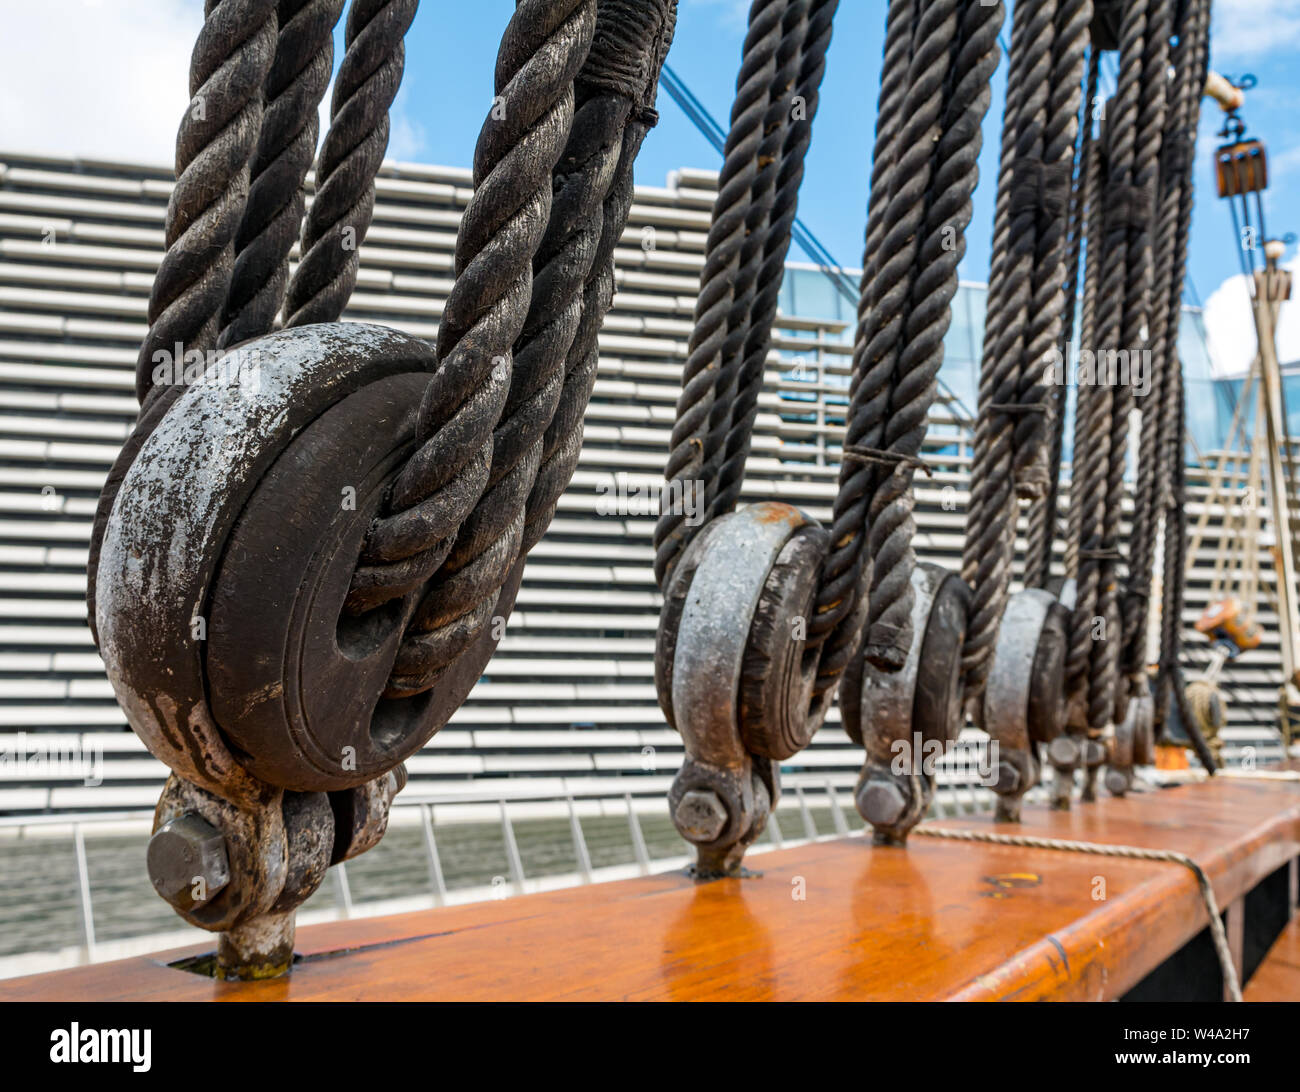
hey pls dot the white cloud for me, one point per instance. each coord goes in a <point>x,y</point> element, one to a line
<point>97,78</point>
<point>1248,28</point>
<point>1230,326</point>
<point>109,79</point>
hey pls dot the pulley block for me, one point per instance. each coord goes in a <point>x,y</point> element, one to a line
<point>1241,168</point>
<point>734,671</point>
<point>905,719</point>
<point>226,554</point>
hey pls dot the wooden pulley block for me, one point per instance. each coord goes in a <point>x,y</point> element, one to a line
<point>1207,707</point>
<point>1241,168</point>
<point>915,709</point>
<point>227,552</point>
<point>733,670</point>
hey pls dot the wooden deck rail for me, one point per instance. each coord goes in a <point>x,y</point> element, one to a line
<point>836,919</point>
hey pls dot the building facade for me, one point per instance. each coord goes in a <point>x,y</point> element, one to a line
<point>569,698</point>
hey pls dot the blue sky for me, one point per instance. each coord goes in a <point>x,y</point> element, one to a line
<point>118,87</point>
<point>1257,36</point>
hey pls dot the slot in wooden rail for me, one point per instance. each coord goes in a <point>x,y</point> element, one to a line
<point>836,919</point>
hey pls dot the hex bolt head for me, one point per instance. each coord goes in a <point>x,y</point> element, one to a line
<point>1063,751</point>
<point>187,862</point>
<point>1094,752</point>
<point>1116,782</point>
<point>701,816</point>
<point>1008,780</point>
<point>881,803</point>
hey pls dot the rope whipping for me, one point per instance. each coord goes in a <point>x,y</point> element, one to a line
<point>1132,853</point>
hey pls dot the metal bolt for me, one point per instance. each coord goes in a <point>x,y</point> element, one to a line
<point>187,861</point>
<point>1116,782</point>
<point>1094,752</point>
<point>1008,778</point>
<point>881,803</point>
<point>700,816</point>
<point>1063,751</point>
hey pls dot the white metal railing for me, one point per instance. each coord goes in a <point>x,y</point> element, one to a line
<point>801,793</point>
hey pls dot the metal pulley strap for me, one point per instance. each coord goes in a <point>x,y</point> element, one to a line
<point>1132,853</point>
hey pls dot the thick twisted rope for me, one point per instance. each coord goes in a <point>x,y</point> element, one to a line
<point>1176,179</point>
<point>837,617</point>
<point>437,489</point>
<point>949,96</point>
<point>733,385</point>
<point>354,148</point>
<point>1041,532</point>
<point>1095,660</point>
<point>703,376</point>
<point>1008,384</point>
<point>214,147</point>
<point>1131,853</point>
<point>609,76</point>
<point>1048,304</point>
<point>510,326</point>
<point>797,107</point>
<point>1134,136</point>
<point>300,73</point>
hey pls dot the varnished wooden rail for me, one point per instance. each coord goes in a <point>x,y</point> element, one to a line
<point>833,920</point>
